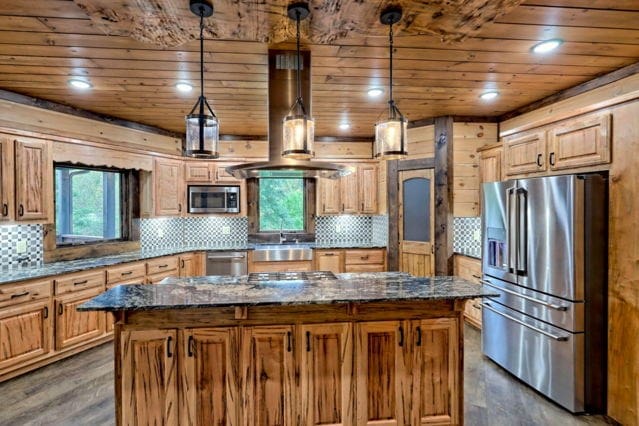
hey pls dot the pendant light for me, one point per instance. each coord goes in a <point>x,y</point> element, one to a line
<point>203,127</point>
<point>390,134</point>
<point>298,128</point>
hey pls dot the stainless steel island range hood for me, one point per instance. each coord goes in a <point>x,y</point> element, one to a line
<point>281,95</point>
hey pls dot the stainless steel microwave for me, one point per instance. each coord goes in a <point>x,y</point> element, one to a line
<point>214,199</point>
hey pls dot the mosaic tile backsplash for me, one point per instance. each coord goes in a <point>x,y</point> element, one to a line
<point>351,230</point>
<point>11,236</point>
<point>467,236</point>
<point>159,233</point>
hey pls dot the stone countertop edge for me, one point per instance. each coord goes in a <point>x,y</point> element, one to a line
<point>56,268</point>
<point>227,292</point>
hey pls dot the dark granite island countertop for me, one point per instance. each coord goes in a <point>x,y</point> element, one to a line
<point>222,291</point>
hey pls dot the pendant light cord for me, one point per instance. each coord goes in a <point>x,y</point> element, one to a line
<point>391,102</point>
<point>299,80</point>
<point>201,118</point>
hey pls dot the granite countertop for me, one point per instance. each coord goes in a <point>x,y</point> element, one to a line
<point>57,268</point>
<point>226,291</point>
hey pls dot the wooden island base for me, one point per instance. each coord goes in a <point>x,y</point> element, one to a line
<point>390,363</point>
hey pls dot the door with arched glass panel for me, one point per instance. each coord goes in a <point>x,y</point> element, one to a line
<point>416,222</point>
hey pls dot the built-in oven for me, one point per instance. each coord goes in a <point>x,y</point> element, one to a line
<point>213,199</point>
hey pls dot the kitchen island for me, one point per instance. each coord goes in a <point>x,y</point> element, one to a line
<point>365,348</point>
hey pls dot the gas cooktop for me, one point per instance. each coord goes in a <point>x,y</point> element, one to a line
<point>290,276</point>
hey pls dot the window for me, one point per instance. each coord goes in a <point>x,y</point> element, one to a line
<point>88,205</point>
<point>281,204</point>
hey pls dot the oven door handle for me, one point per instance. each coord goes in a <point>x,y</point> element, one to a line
<point>523,296</point>
<point>538,330</point>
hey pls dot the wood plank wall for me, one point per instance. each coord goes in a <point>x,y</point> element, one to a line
<point>622,100</point>
<point>467,137</point>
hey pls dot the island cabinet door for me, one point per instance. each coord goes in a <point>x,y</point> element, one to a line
<point>436,355</point>
<point>326,368</point>
<point>149,384</point>
<point>209,382</point>
<point>382,356</point>
<point>269,371</point>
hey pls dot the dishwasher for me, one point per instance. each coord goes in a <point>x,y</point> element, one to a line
<point>226,263</point>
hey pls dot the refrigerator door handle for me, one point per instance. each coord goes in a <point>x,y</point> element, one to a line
<point>522,231</point>
<point>523,296</point>
<point>538,330</point>
<point>511,229</point>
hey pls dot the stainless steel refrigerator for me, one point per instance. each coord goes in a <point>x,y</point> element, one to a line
<point>544,251</point>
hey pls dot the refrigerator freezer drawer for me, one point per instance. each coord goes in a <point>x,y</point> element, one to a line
<point>553,310</point>
<point>547,358</point>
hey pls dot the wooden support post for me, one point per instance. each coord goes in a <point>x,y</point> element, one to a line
<point>444,195</point>
<point>392,182</point>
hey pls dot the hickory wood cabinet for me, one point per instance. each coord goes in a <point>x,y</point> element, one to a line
<point>491,163</point>
<point>470,269</point>
<point>209,172</point>
<point>571,144</point>
<point>168,187</point>
<point>350,260</point>
<point>363,373</point>
<point>356,193</point>
<point>26,179</point>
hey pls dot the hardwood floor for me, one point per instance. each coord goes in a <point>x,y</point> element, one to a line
<point>79,391</point>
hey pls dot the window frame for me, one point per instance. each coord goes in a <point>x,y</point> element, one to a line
<point>125,212</point>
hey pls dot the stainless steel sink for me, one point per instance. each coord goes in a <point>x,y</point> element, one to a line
<point>282,252</point>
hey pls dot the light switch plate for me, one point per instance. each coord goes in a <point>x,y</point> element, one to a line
<point>338,228</point>
<point>21,246</point>
<point>477,235</point>
<point>226,230</point>
<point>160,233</point>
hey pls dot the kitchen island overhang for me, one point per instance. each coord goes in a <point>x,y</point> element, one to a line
<point>359,349</point>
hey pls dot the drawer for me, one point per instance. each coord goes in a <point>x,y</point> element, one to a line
<point>156,278</point>
<point>468,268</point>
<point>375,267</point>
<point>128,272</point>
<point>11,294</point>
<point>80,281</point>
<point>162,264</point>
<point>138,281</point>
<point>359,257</point>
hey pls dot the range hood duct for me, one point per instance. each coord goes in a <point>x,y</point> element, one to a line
<point>281,95</point>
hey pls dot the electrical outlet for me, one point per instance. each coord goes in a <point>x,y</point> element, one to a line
<point>21,246</point>
<point>477,235</point>
<point>160,233</point>
<point>226,230</point>
<point>338,228</point>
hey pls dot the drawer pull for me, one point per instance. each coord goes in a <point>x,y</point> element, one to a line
<point>126,273</point>
<point>80,282</point>
<point>328,254</point>
<point>476,306</point>
<point>163,266</point>
<point>477,276</point>
<point>15,296</point>
<point>364,257</point>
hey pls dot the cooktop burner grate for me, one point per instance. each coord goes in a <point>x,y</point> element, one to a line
<point>290,276</point>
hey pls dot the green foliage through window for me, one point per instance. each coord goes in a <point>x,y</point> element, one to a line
<point>88,205</point>
<point>281,204</point>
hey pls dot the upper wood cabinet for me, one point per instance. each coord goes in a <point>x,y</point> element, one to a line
<point>580,142</point>
<point>326,366</point>
<point>197,171</point>
<point>490,164</point>
<point>25,333</point>
<point>222,176</point>
<point>6,178</point>
<point>33,179</point>
<point>168,187</point>
<point>356,193</point>
<point>150,387</point>
<point>269,375</point>
<point>525,152</point>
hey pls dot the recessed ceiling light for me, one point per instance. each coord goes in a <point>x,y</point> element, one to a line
<point>487,96</point>
<point>79,84</point>
<point>547,46</point>
<point>344,126</point>
<point>183,86</point>
<point>375,92</point>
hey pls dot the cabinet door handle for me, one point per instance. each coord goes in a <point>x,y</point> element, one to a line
<point>5,209</point>
<point>182,264</point>
<point>180,207</point>
<point>289,344</point>
<point>46,312</point>
<point>328,254</point>
<point>343,206</point>
<point>419,336</point>
<point>477,276</point>
<point>60,309</point>
<point>189,346</point>
<point>362,206</point>
<point>15,296</point>
<point>401,336</point>
<point>20,210</point>
<point>552,158</point>
<point>169,352</point>
<point>80,282</point>
<point>126,273</point>
<point>539,156</point>
<point>308,341</point>
<point>209,175</point>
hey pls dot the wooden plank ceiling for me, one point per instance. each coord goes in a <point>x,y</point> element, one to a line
<point>45,42</point>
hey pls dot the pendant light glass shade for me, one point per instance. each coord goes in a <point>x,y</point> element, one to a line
<point>298,133</point>
<point>390,134</point>
<point>202,126</point>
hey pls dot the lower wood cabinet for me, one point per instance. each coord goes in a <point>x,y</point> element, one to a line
<point>25,333</point>
<point>364,373</point>
<point>329,260</point>
<point>190,265</point>
<point>73,327</point>
<point>470,269</point>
